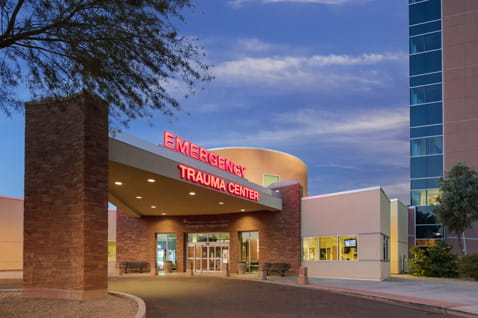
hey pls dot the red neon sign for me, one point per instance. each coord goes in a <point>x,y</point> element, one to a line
<point>194,151</point>
<point>214,182</point>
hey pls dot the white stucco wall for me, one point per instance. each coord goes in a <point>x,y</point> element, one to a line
<point>365,213</point>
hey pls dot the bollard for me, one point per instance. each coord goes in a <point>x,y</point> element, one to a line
<point>191,269</point>
<point>262,274</point>
<point>303,277</point>
<point>228,272</point>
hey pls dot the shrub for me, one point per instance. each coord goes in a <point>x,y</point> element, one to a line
<point>434,261</point>
<point>468,265</point>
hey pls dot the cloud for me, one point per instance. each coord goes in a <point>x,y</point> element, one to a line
<point>364,134</point>
<point>317,72</point>
<point>239,3</point>
<point>399,191</point>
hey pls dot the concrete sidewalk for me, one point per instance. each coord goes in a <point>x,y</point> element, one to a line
<point>449,295</point>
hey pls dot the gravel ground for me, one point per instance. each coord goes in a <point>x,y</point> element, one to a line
<point>12,305</point>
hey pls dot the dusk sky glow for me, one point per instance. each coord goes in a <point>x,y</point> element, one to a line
<point>323,80</point>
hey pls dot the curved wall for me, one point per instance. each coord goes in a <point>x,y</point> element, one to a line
<point>263,161</point>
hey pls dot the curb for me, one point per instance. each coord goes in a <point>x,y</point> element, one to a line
<point>141,305</point>
<point>141,313</point>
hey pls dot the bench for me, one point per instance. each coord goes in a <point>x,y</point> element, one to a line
<point>134,266</point>
<point>281,268</point>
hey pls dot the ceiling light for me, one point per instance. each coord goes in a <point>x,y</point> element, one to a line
<point>242,210</point>
<point>118,183</point>
<point>163,213</point>
<point>151,180</point>
<point>220,202</point>
<point>139,197</point>
<point>192,193</point>
<point>153,207</point>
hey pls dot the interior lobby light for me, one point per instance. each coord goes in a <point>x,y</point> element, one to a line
<point>139,197</point>
<point>118,183</point>
<point>163,213</point>
<point>151,180</point>
<point>153,207</point>
<point>220,202</point>
<point>192,193</point>
<point>243,210</point>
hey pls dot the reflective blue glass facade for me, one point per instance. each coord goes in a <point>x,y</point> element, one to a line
<point>426,114</point>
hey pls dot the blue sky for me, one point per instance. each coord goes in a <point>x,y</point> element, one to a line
<point>324,80</point>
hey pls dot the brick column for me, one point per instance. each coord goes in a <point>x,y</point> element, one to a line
<point>66,198</point>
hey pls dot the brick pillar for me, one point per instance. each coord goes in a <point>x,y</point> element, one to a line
<point>66,198</point>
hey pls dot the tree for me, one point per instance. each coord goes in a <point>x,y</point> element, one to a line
<point>127,51</point>
<point>458,200</point>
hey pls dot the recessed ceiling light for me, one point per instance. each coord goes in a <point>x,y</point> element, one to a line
<point>139,197</point>
<point>242,210</point>
<point>153,207</point>
<point>163,213</point>
<point>220,202</point>
<point>151,180</point>
<point>118,183</point>
<point>192,193</point>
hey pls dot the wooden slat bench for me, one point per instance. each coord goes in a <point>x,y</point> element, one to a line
<point>281,268</point>
<point>134,266</point>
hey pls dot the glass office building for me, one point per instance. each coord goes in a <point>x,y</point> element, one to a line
<point>426,115</point>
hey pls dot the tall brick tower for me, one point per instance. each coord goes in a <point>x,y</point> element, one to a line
<point>66,198</point>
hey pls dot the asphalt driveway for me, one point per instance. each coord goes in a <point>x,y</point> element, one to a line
<point>176,296</point>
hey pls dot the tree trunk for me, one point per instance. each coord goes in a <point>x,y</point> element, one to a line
<point>460,243</point>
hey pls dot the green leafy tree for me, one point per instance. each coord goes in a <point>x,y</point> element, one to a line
<point>458,200</point>
<point>127,51</point>
<point>434,261</point>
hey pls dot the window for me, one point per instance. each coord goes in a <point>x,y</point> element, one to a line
<point>386,248</point>
<point>429,231</point>
<point>427,166</point>
<point>310,247</point>
<point>426,42</point>
<point>429,114</point>
<point>423,215</point>
<point>249,250</point>
<point>425,28</point>
<point>348,248</point>
<point>426,146</point>
<point>165,249</point>
<point>419,197</point>
<point>426,131</point>
<point>328,248</point>
<point>425,94</point>
<point>269,179</point>
<point>424,11</point>
<point>424,183</point>
<point>425,63</point>
<point>426,79</point>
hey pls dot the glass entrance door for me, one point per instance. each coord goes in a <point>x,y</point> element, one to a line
<point>208,252</point>
<point>250,250</point>
<point>208,257</point>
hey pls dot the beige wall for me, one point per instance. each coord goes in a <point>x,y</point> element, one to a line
<point>262,161</point>
<point>398,237</point>
<point>11,233</point>
<point>365,213</point>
